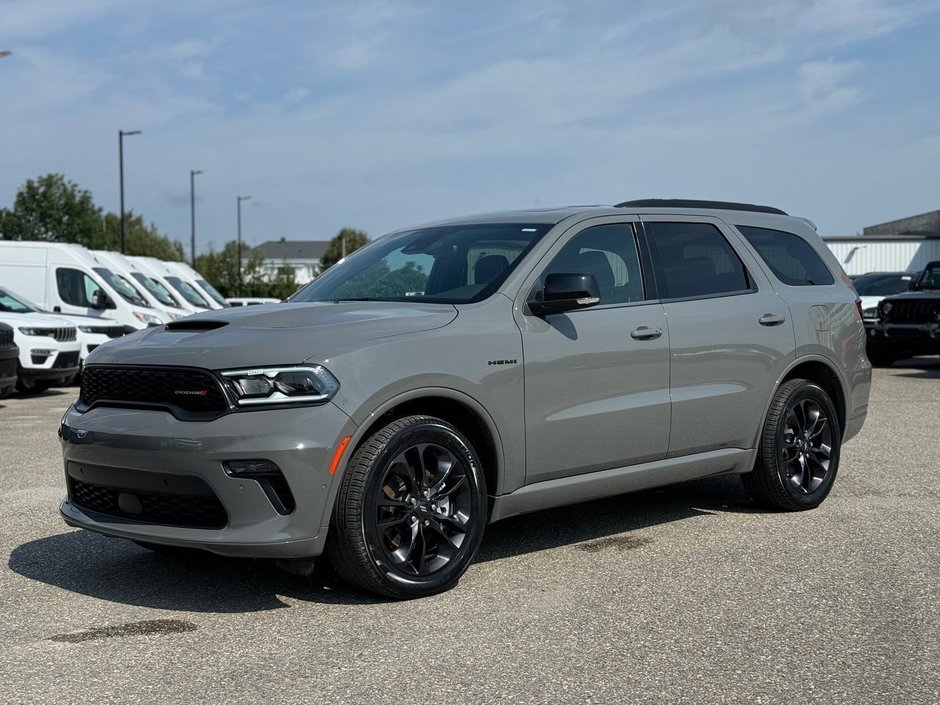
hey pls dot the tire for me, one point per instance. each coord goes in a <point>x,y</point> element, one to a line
<point>881,358</point>
<point>410,513</point>
<point>799,450</point>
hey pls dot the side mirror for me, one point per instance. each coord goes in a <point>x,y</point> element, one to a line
<point>101,300</point>
<point>565,292</point>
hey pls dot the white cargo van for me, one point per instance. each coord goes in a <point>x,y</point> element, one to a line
<point>209,292</point>
<point>66,278</point>
<point>155,293</point>
<point>185,292</point>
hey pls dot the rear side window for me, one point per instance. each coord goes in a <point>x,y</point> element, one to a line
<point>792,260</point>
<point>694,259</point>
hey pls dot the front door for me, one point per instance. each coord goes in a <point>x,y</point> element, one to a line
<point>597,379</point>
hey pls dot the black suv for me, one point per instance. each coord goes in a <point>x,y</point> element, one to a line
<point>908,323</point>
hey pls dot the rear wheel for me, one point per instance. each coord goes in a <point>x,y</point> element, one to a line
<point>410,512</point>
<point>799,449</point>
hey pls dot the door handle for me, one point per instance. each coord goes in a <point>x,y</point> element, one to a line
<point>771,319</point>
<point>646,333</point>
<point>57,309</point>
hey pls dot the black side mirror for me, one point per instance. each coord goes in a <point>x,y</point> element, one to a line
<point>565,291</point>
<point>101,300</point>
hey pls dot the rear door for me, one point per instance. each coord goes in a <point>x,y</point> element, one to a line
<point>730,335</point>
<point>597,379</point>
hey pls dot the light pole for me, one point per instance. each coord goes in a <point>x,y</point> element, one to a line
<point>192,210</point>
<point>121,135</point>
<point>239,200</point>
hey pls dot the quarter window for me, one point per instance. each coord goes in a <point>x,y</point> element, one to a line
<point>694,259</point>
<point>608,252</point>
<point>792,260</point>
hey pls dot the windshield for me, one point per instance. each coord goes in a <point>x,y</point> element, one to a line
<point>10,304</point>
<point>930,279</point>
<point>882,284</point>
<point>159,292</point>
<point>122,287</point>
<point>188,292</point>
<point>448,264</point>
<point>209,289</point>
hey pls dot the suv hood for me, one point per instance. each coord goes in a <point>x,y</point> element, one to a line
<point>35,320</point>
<point>277,334</point>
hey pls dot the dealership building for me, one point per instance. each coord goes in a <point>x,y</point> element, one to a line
<point>904,245</point>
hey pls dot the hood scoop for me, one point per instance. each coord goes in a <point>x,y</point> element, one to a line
<point>195,325</point>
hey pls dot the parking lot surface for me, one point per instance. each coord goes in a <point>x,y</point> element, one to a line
<point>685,595</point>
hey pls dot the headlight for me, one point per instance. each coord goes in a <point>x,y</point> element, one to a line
<point>148,318</point>
<point>31,331</point>
<point>886,309</point>
<point>310,384</point>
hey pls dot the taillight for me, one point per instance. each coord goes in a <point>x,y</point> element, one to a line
<point>847,280</point>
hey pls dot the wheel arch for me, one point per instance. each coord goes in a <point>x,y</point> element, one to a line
<point>821,372</point>
<point>464,412</point>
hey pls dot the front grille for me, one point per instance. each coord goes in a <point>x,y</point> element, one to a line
<point>64,360</point>
<point>6,335</point>
<point>190,390</point>
<point>194,511</point>
<point>922,311</point>
<point>63,335</point>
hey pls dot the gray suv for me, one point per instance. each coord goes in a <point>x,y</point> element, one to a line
<point>455,374</point>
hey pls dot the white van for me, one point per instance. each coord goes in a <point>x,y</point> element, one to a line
<point>92,330</point>
<point>216,300</point>
<point>156,293</point>
<point>66,278</point>
<point>186,293</point>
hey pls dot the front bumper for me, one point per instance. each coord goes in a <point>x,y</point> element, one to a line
<point>913,338</point>
<point>157,457</point>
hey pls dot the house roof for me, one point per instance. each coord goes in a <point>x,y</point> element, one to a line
<point>292,249</point>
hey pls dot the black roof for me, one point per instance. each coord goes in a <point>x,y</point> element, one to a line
<point>691,203</point>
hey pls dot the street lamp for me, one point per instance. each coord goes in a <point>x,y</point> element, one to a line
<point>239,200</point>
<point>192,210</point>
<point>121,135</point>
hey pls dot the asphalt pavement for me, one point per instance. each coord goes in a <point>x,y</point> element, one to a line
<point>689,594</point>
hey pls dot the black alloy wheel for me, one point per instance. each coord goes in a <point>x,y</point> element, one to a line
<point>410,512</point>
<point>799,449</point>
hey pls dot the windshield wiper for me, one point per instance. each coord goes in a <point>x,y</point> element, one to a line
<point>359,298</point>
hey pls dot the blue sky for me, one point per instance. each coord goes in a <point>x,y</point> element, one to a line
<point>384,113</point>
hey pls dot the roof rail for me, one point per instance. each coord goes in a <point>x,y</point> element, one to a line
<point>691,203</point>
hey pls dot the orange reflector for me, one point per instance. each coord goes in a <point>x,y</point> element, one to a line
<point>339,454</point>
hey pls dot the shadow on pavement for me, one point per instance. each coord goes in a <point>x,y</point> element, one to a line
<point>919,368</point>
<point>120,571</point>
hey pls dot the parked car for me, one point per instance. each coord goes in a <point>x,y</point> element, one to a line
<point>874,286</point>
<point>451,375</point>
<point>90,330</point>
<point>9,355</point>
<point>908,323</point>
<point>48,349</point>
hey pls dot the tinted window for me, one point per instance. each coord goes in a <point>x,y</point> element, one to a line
<point>447,264</point>
<point>694,259</point>
<point>792,260</point>
<point>609,253</point>
<point>882,284</point>
<point>75,287</point>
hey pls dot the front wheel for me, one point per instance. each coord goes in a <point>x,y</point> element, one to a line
<point>410,512</point>
<point>799,449</point>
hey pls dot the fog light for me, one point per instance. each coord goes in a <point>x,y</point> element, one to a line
<point>250,468</point>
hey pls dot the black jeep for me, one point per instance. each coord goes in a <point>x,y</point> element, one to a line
<point>908,323</point>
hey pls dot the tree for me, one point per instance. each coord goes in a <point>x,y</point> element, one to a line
<point>51,208</point>
<point>54,209</point>
<point>345,241</point>
<point>220,268</point>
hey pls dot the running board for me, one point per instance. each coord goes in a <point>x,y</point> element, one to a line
<point>607,483</point>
